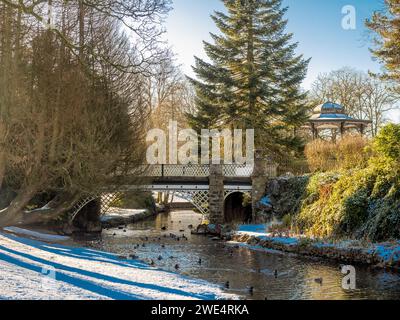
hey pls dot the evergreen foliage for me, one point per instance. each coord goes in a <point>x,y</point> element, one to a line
<point>253,78</point>
<point>386,25</point>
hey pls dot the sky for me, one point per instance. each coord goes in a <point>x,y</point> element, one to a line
<point>316,25</point>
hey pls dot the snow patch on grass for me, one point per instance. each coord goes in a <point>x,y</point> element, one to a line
<point>253,229</point>
<point>260,231</point>
<point>18,283</point>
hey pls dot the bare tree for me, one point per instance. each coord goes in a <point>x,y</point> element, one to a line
<point>171,98</point>
<point>142,18</point>
<point>171,94</point>
<point>72,104</point>
<point>377,100</point>
<point>363,96</point>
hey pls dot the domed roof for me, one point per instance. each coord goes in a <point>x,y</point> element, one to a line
<point>331,115</point>
<point>329,108</point>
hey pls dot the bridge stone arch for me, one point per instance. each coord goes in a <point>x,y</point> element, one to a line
<point>230,192</point>
<point>234,211</point>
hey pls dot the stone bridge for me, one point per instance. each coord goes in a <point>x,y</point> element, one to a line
<point>207,187</point>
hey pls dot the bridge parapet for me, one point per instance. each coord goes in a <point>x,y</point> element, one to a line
<point>201,171</point>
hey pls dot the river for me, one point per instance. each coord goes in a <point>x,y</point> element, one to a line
<point>273,275</point>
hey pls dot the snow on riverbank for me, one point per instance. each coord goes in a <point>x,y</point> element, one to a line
<point>122,213</point>
<point>30,269</point>
<point>253,229</point>
<point>36,235</point>
<point>117,217</point>
<point>382,254</point>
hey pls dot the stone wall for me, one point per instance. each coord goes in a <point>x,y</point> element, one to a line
<point>216,195</point>
<point>280,197</point>
<point>260,179</point>
<point>285,194</point>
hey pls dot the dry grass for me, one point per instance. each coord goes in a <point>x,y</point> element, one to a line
<point>346,153</point>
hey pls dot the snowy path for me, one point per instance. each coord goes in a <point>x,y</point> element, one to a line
<point>88,274</point>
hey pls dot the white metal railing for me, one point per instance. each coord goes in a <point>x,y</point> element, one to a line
<point>236,170</point>
<point>167,170</point>
<point>201,171</point>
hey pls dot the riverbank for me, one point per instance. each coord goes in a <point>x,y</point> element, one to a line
<point>382,255</point>
<point>35,270</point>
<point>118,217</point>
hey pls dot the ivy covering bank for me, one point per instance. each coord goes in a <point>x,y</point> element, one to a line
<point>360,203</point>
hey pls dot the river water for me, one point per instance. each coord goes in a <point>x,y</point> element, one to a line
<point>273,275</point>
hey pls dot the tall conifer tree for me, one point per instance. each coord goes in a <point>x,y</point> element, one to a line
<point>386,25</point>
<point>253,79</point>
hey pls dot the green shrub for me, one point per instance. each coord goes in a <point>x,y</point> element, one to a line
<point>290,199</point>
<point>287,221</point>
<point>362,202</point>
<point>387,143</point>
<point>305,243</point>
<point>311,219</point>
<point>355,209</point>
<point>384,210</point>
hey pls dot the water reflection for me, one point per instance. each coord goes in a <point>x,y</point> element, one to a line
<point>273,275</point>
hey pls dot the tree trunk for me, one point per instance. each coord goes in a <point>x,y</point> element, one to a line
<point>55,208</point>
<point>81,30</point>
<point>2,165</point>
<point>251,75</point>
<point>13,213</point>
<point>5,94</point>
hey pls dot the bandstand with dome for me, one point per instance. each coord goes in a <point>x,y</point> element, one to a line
<point>332,116</point>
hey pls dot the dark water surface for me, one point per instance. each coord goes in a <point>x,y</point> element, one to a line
<point>241,267</point>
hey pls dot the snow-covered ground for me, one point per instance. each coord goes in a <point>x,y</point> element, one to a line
<point>34,270</point>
